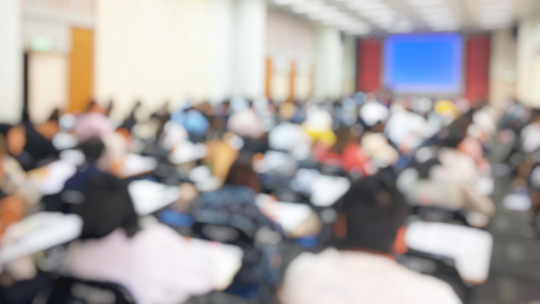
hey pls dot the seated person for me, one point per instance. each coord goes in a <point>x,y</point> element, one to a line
<point>364,270</point>
<point>534,196</point>
<point>193,121</point>
<point>13,180</point>
<point>29,147</point>
<point>346,152</point>
<point>75,185</point>
<point>246,123</point>
<point>153,262</point>
<point>236,199</point>
<point>234,205</point>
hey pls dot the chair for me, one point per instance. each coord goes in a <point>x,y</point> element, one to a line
<point>438,266</point>
<point>439,214</point>
<point>249,281</point>
<point>69,290</point>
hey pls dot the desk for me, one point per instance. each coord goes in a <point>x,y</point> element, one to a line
<point>135,164</point>
<point>291,216</point>
<point>149,197</point>
<point>469,247</point>
<point>327,190</point>
<point>38,232</point>
<point>187,152</point>
<point>227,260</point>
<point>51,178</point>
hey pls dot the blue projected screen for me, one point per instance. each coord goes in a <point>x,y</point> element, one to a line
<point>430,63</point>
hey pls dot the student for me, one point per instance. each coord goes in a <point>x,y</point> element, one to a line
<point>236,199</point>
<point>364,271</point>
<point>246,123</point>
<point>13,180</point>
<point>195,123</point>
<point>154,263</point>
<point>74,186</point>
<point>234,205</point>
<point>29,147</point>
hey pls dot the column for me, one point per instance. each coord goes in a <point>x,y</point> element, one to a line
<point>11,61</point>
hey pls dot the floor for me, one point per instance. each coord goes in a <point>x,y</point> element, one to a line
<point>515,267</point>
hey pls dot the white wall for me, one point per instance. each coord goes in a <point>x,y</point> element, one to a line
<point>290,39</point>
<point>329,64</point>
<point>528,69</point>
<point>348,86</point>
<point>249,48</point>
<point>48,84</point>
<point>503,60</point>
<point>154,50</point>
<point>221,49</point>
<point>11,61</point>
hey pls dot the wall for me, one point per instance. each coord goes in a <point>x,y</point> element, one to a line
<point>328,63</point>
<point>502,67</point>
<point>348,86</point>
<point>369,65</point>
<point>155,51</point>
<point>48,84</point>
<point>11,61</point>
<point>477,53</point>
<point>290,46</point>
<point>528,72</point>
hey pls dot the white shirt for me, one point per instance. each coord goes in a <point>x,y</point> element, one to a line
<point>156,265</point>
<point>333,277</point>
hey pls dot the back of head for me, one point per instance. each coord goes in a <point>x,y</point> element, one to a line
<point>107,206</point>
<point>374,210</point>
<point>92,148</point>
<point>243,174</point>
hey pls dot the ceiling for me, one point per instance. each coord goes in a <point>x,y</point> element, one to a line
<point>375,17</point>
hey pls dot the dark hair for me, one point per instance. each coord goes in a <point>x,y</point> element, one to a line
<point>106,207</point>
<point>55,115</point>
<point>242,173</point>
<point>375,210</point>
<point>344,137</point>
<point>92,148</point>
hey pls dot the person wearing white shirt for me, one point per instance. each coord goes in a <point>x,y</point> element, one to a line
<point>154,263</point>
<point>364,271</point>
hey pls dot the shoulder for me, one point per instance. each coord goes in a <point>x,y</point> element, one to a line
<point>427,286</point>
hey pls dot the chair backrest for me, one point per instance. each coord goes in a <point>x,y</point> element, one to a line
<point>223,233</point>
<point>69,290</point>
<point>439,214</point>
<point>438,266</point>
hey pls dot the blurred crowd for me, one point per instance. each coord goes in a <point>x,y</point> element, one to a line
<point>404,160</point>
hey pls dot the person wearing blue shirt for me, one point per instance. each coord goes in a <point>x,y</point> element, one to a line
<point>193,121</point>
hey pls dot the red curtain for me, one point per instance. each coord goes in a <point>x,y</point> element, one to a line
<point>477,52</point>
<point>369,65</point>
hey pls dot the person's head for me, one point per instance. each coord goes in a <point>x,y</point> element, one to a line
<point>107,206</point>
<point>373,211</point>
<point>243,174</point>
<point>92,149</point>
<point>345,136</point>
<point>15,137</point>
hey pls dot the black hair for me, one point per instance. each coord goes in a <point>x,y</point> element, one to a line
<point>374,210</point>
<point>243,174</point>
<point>92,148</point>
<point>55,115</point>
<point>107,206</point>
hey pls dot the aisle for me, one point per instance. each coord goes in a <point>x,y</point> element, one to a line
<point>515,269</point>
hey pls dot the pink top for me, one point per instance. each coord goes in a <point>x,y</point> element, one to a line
<point>156,265</point>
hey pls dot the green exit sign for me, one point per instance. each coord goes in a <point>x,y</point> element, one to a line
<point>42,44</point>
